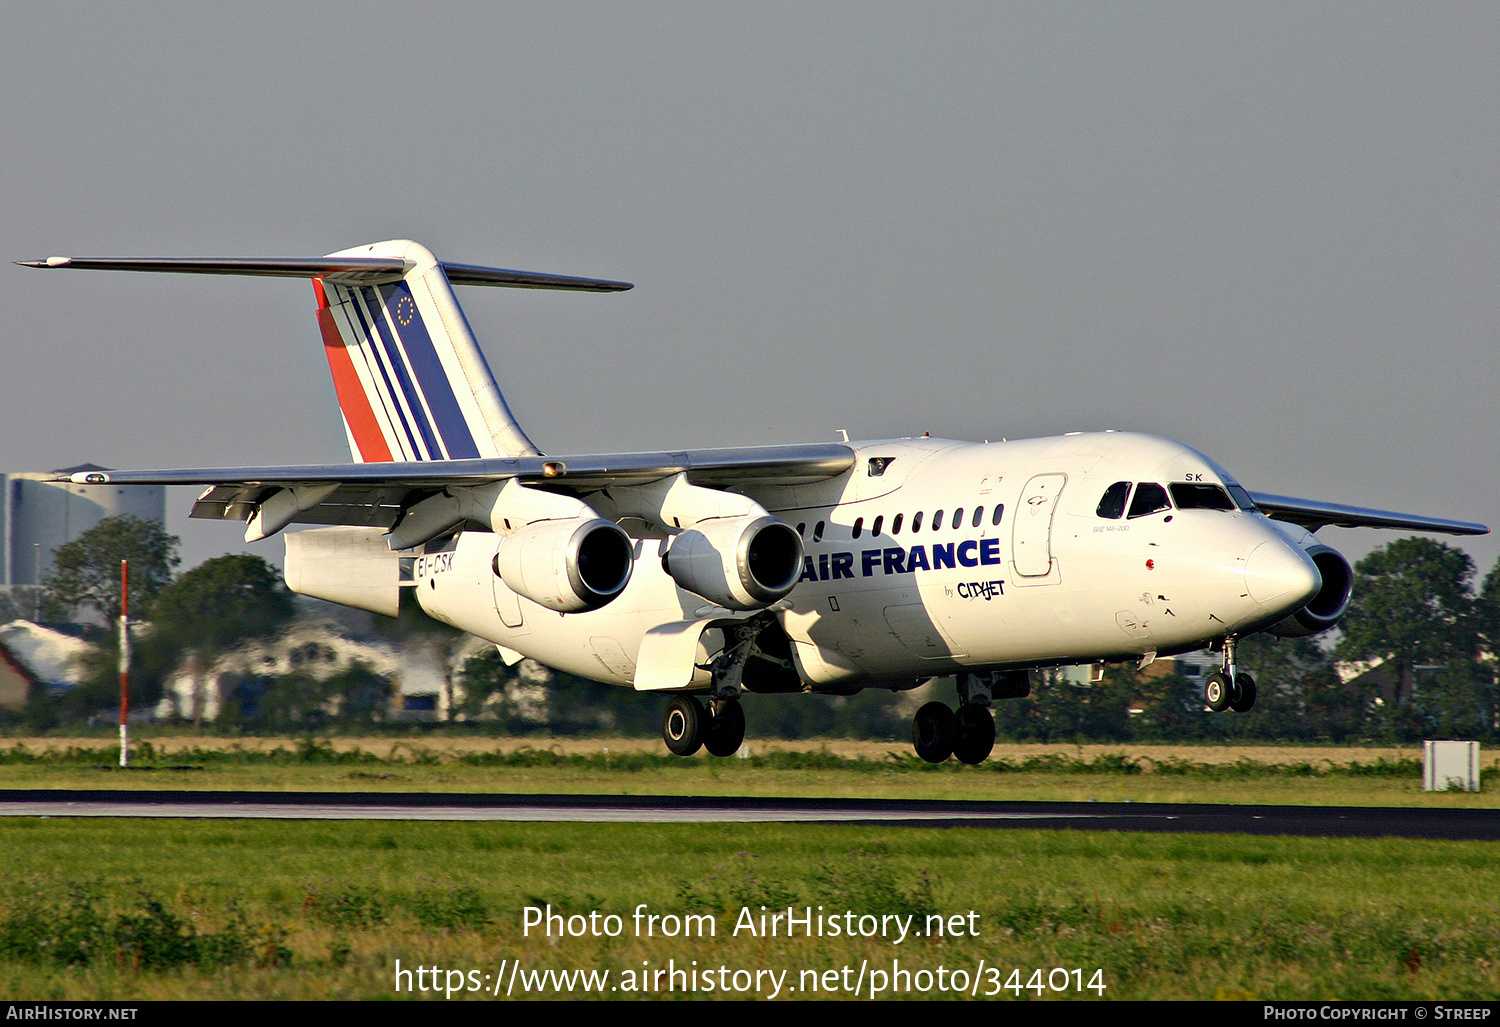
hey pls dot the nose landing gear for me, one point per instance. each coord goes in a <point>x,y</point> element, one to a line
<point>1229,690</point>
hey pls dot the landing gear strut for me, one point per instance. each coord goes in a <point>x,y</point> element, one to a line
<point>1229,689</point>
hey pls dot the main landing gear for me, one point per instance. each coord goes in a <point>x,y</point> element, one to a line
<point>688,726</point>
<point>937,732</point>
<point>718,727</point>
<point>1229,689</point>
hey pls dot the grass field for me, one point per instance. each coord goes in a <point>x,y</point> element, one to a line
<point>111,909</point>
<point>101,909</point>
<point>1229,774</point>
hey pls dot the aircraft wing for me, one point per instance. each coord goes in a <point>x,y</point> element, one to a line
<point>375,494</point>
<point>1313,514</point>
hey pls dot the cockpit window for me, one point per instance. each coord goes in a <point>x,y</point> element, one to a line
<point>1190,495</point>
<point>1149,498</point>
<point>1112,506</point>
<point>1241,497</point>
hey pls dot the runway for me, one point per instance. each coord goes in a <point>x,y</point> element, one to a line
<point>1310,821</point>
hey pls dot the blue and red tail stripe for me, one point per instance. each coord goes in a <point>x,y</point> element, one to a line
<point>365,432</point>
<point>395,392</point>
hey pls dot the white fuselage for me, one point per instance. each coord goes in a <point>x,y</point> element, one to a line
<point>911,573</point>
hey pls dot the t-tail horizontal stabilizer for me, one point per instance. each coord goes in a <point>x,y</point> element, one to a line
<point>412,383</point>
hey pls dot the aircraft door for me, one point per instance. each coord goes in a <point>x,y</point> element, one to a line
<point>1031,541</point>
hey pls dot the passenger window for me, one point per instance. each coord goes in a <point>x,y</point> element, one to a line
<point>875,528</point>
<point>818,532</point>
<point>978,516</point>
<point>916,521</point>
<point>958,517</point>
<point>802,530</point>
<point>937,521</point>
<point>896,524</point>
<point>1193,496</point>
<point>999,512</point>
<point>1149,498</point>
<point>859,526</point>
<point>1112,506</point>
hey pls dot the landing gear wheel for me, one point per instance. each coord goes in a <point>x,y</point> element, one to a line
<point>1216,692</point>
<point>933,731</point>
<point>682,727</point>
<point>1242,699</point>
<point>976,734</point>
<point>726,729</point>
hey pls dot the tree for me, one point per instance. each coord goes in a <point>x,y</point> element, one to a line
<point>222,602</point>
<point>85,572</point>
<point>1172,710</point>
<point>1487,613</point>
<point>1412,606</point>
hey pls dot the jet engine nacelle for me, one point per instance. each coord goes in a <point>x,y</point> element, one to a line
<point>570,566</point>
<point>740,563</point>
<point>1325,609</point>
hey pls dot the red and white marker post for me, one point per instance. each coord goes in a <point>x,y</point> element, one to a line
<point>124,663</point>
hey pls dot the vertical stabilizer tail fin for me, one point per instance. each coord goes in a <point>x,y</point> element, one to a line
<point>412,383</point>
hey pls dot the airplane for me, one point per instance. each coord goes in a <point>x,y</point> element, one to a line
<point>707,574</point>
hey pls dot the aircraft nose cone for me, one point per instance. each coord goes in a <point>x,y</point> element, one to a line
<point>1278,575</point>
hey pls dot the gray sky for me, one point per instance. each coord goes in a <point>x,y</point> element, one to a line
<point>1266,230</point>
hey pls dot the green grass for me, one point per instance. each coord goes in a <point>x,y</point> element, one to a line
<point>1138,774</point>
<point>108,909</point>
<point>127,910</point>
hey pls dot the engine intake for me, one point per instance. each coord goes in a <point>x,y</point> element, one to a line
<point>1327,608</point>
<point>570,566</point>
<point>740,563</point>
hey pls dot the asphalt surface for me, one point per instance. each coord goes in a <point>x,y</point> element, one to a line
<point>1310,821</point>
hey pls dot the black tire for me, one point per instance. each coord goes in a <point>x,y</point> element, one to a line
<point>933,731</point>
<point>1242,700</point>
<point>976,734</point>
<point>682,726</point>
<point>726,729</point>
<point>1216,692</point>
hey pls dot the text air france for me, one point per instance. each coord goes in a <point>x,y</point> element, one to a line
<point>984,552</point>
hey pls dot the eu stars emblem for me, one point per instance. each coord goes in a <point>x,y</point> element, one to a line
<point>406,310</point>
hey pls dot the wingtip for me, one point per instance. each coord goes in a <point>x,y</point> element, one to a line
<point>47,262</point>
